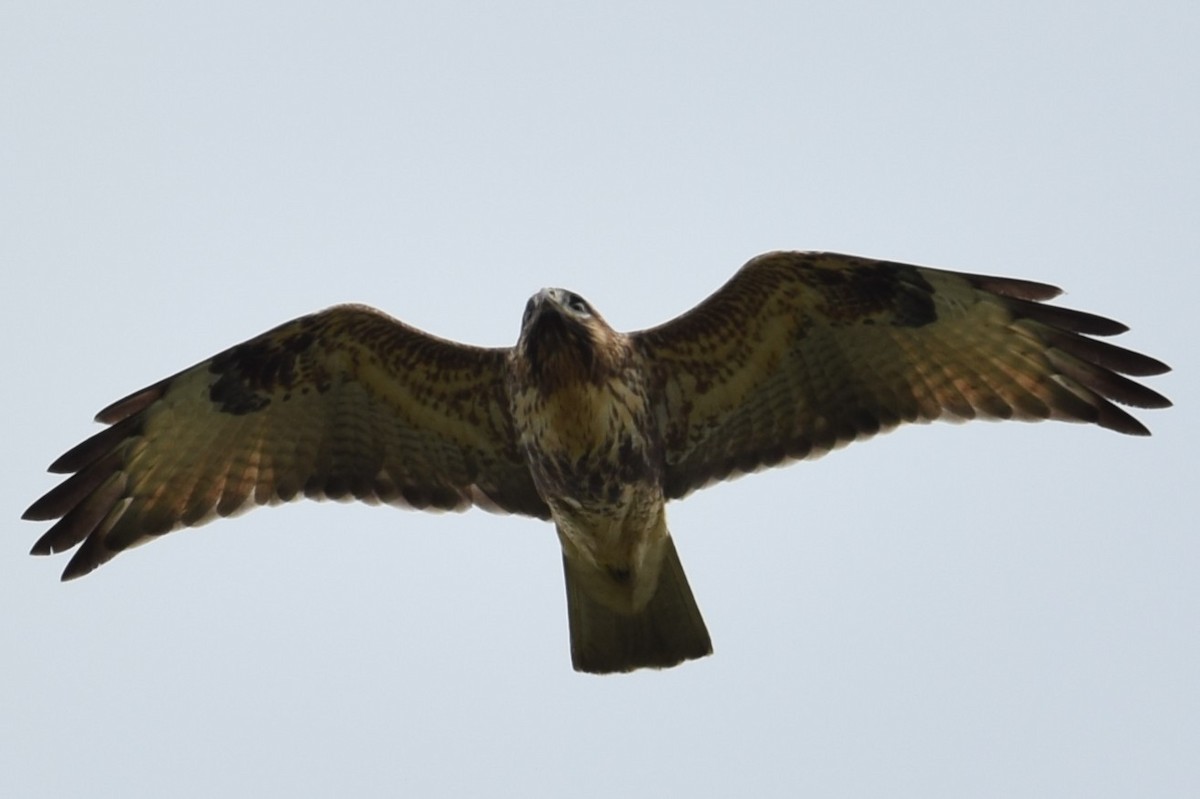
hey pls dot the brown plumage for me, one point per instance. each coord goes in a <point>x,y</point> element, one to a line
<point>594,429</point>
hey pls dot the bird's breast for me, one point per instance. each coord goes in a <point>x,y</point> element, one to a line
<point>596,459</point>
<point>587,441</point>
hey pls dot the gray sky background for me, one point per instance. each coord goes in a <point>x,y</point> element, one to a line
<point>979,610</point>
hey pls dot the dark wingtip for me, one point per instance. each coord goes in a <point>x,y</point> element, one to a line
<point>67,463</point>
<point>133,403</point>
<point>76,570</point>
<point>1131,430</point>
<point>37,512</point>
<point>91,449</point>
<point>1016,288</point>
<point>86,559</point>
<point>1153,366</point>
<point>1113,418</point>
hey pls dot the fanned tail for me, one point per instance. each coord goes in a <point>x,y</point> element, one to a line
<point>664,633</point>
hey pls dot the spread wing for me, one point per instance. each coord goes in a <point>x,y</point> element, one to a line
<point>346,403</point>
<point>802,352</point>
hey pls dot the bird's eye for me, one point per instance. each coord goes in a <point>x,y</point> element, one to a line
<point>577,304</point>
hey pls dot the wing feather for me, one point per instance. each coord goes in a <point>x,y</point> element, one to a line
<point>347,404</point>
<point>803,352</point>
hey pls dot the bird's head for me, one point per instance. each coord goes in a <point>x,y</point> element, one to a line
<point>563,335</point>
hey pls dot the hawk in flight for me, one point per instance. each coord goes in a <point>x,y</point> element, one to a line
<point>586,427</point>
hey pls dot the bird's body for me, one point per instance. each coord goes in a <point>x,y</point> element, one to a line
<point>586,424</point>
<point>592,429</point>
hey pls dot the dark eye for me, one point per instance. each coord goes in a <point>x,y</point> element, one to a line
<point>577,304</point>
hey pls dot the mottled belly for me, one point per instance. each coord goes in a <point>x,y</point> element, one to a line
<point>596,458</point>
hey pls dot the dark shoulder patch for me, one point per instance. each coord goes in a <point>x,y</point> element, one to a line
<point>232,395</point>
<point>873,292</point>
<point>248,373</point>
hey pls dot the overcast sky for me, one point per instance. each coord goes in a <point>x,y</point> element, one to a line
<point>981,610</point>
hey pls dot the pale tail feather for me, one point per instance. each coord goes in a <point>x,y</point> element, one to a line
<point>666,632</point>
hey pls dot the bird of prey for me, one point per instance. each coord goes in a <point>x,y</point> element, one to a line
<point>587,427</point>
